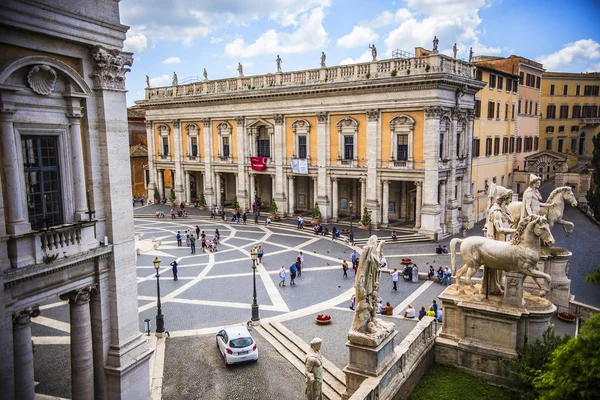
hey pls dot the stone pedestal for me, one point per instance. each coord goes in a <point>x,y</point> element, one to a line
<point>555,262</point>
<point>366,362</point>
<point>479,333</point>
<point>513,294</point>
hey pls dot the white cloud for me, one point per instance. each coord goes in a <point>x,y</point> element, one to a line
<point>135,42</point>
<point>364,57</point>
<point>595,67</point>
<point>573,53</point>
<point>172,60</point>
<point>309,36</point>
<point>358,37</point>
<point>161,80</point>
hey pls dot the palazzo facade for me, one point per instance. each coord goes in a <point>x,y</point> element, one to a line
<point>66,221</point>
<point>392,136</point>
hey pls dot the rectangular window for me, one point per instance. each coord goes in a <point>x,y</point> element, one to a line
<point>589,111</point>
<point>488,146</point>
<point>576,112</point>
<point>519,144</point>
<point>573,145</point>
<point>574,128</point>
<point>194,145</point>
<point>263,145</point>
<point>506,111</point>
<point>561,128</point>
<point>577,90</point>
<point>513,111</point>
<point>498,110</point>
<point>551,112</point>
<point>551,90</point>
<point>565,90</point>
<point>475,147</point>
<point>526,107</point>
<point>549,129</point>
<point>402,147</point>
<point>504,145</point>
<point>490,110</point>
<point>348,147</point>
<point>537,111</point>
<point>500,83</point>
<point>564,112</point>
<point>587,90</point>
<point>508,84</point>
<point>548,144</point>
<point>519,106</point>
<point>492,81</point>
<point>515,86</point>
<point>226,147</point>
<point>477,108</point>
<point>528,80</point>
<point>165,146</point>
<point>458,144</point>
<point>42,181</point>
<point>479,75</point>
<point>521,74</point>
<point>595,90</point>
<point>538,81</point>
<point>302,146</point>
<point>561,143</point>
<point>512,144</point>
<point>496,146</point>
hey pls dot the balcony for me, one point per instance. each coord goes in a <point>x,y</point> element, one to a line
<point>191,157</point>
<point>164,157</point>
<point>350,162</point>
<point>590,121</point>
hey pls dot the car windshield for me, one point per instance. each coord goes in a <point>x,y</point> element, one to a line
<point>240,342</point>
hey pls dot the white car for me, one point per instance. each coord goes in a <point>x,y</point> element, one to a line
<point>236,345</point>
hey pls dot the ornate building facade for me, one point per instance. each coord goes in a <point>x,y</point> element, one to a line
<point>392,136</point>
<point>66,223</point>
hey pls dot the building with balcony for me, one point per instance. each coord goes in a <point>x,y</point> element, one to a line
<point>392,136</point>
<point>494,133</point>
<point>528,110</point>
<point>570,116</point>
<point>66,222</point>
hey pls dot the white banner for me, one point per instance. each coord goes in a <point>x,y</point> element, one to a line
<point>299,166</point>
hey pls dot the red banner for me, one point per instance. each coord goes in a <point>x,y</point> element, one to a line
<point>258,163</point>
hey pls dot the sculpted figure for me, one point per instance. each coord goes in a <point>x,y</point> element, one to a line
<point>373,51</point>
<point>367,329</point>
<point>435,44</point>
<point>532,199</point>
<point>175,82</point>
<point>240,69</point>
<point>278,61</point>
<point>497,217</point>
<point>314,371</point>
<point>454,50</point>
<point>323,57</point>
<point>470,54</point>
<point>205,74</point>
<point>147,82</point>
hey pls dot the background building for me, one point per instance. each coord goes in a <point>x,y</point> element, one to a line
<point>138,151</point>
<point>66,221</point>
<point>392,136</point>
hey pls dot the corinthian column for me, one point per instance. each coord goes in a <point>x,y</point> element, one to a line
<point>23,354</point>
<point>78,166</point>
<point>82,368</point>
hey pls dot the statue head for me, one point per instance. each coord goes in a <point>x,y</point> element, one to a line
<point>505,198</point>
<point>315,344</point>
<point>533,179</point>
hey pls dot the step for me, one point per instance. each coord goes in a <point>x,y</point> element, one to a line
<point>295,350</point>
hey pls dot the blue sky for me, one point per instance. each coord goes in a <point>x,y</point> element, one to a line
<point>186,36</point>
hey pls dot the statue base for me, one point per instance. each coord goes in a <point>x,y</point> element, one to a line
<point>478,333</point>
<point>555,262</point>
<point>366,362</point>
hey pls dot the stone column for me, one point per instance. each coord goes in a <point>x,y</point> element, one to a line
<point>373,158</point>
<point>385,218</point>
<point>316,181</point>
<point>23,353</point>
<point>178,184</point>
<point>430,211</point>
<point>467,196</point>
<point>451,205</point>
<point>82,368</point>
<point>291,194</point>
<point>161,183</point>
<point>218,185</point>
<point>279,150</point>
<point>442,195</point>
<point>404,213</point>
<point>242,148</point>
<point>459,198</point>
<point>188,195</point>
<point>419,201</point>
<point>363,196</point>
<point>321,194</point>
<point>14,201</point>
<point>252,190</point>
<point>151,153</point>
<point>78,167</point>
<point>209,184</point>
<point>334,199</point>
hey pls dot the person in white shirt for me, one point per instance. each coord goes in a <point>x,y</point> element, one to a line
<point>380,307</point>
<point>282,274</point>
<point>383,262</point>
<point>394,274</point>
<point>409,312</point>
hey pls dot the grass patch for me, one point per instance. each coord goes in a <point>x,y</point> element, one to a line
<point>446,383</point>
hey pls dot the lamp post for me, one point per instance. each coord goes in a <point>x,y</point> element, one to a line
<point>222,202</point>
<point>255,318</point>
<point>350,203</point>
<point>160,322</point>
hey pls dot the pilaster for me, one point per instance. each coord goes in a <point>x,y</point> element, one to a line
<point>467,196</point>
<point>334,199</point>
<point>321,194</point>
<point>373,183</point>
<point>209,182</point>
<point>386,203</point>
<point>151,153</point>
<point>291,194</point>
<point>242,194</point>
<point>279,191</point>
<point>430,211</point>
<point>177,136</point>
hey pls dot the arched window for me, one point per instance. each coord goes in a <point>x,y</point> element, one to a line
<point>444,138</point>
<point>461,135</point>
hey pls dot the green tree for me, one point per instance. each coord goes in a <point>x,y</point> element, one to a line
<point>574,369</point>
<point>235,203</point>
<point>366,218</point>
<point>593,277</point>
<point>593,195</point>
<point>171,195</point>
<point>316,211</point>
<point>156,195</point>
<point>530,361</point>
<point>202,200</point>
<point>273,209</point>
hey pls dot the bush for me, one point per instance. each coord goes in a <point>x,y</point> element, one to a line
<point>316,211</point>
<point>202,201</point>
<point>273,209</point>
<point>171,195</point>
<point>235,205</point>
<point>366,218</point>
<point>156,194</point>
<point>394,72</point>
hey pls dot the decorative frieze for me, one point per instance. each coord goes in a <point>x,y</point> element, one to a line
<point>111,67</point>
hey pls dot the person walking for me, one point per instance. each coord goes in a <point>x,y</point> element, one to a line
<point>244,218</point>
<point>197,232</point>
<point>354,259</point>
<point>193,244</point>
<point>178,238</point>
<point>298,264</point>
<point>293,271</point>
<point>174,265</point>
<point>345,268</point>
<point>261,252</point>
<point>395,278</point>
<point>282,275</point>
<point>187,238</point>
<point>301,261</point>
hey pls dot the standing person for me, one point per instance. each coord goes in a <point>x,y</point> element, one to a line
<point>143,198</point>
<point>395,278</point>
<point>187,238</point>
<point>193,244</point>
<point>301,261</point>
<point>172,213</point>
<point>244,218</point>
<point>434,307</point>
<point>345,268</point>
<point>293,271</point>
<point>261,252</point>
<point>256,218</point>
<point>354,258</point>
<point>431,273</point>
<point>178,238</point>
<point>333,233</point>
<point>203,244</point>
<point>282,275</point>
<point>298,264</point>
<point>197,232</point>
<point>218,236</point>
<point>174,265</point>
<point>299,218</point>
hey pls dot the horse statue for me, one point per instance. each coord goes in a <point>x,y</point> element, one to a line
<point>554,214</point>
<point>521,254</point>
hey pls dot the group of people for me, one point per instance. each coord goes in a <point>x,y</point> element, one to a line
<point>209,245</point>
<point>444,275</point>
<point>295,270</point>
<point>141,199</point>
<point>434,311</point>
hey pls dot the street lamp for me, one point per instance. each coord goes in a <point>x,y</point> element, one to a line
<point>255,318</point>
<point>160,322</point>
<point>222,202</point>
<point>350,203</point>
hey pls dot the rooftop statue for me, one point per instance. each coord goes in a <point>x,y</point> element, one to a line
<point>314,371</point>
<point>175,82</point>
<point>435,44</point>
<point>367,329</point>
<point>454,50</point>
<point>373,51</point>
<point>278,61</point>
<point>147,82</point>
<point>323,57</point>
<point>470,54</point>
<point>205,74</point>
<point>240,69</point>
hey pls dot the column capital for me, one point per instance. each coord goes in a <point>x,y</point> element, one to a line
<point>23,317</point>
<point>334,179</point>
<point>149,124</point>
<point>322,116</point>
<point>278,118</point>
<point>240,120</point>
<point>418,183</point>
<point>434,112</point>
<point>373,115</point>
<point>175,123</point>
<point>470,114</point>
<point>80,296</point>
<point>385,182</point>
<point>111,67</point>
<point>7,114</point>
<point>74,117</point>
<point>205,122</point>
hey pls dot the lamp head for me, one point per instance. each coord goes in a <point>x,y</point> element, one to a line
<point>350,203</point>
<point>254,254</point>
<point>156,262</point>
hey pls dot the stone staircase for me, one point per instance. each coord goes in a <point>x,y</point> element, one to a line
<point>401,238</point>
<point>295,349</point>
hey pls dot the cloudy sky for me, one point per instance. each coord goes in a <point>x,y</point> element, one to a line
<point>186,36</point>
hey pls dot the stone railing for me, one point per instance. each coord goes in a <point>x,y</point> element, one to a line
<point>412,358</point>
<point>591,121</point>
<point>397,68</point>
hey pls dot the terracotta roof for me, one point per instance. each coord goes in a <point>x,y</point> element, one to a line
<point>136,112</point>
<point>138,150</point>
